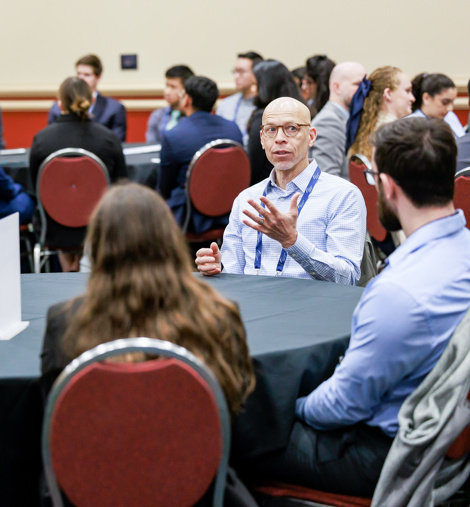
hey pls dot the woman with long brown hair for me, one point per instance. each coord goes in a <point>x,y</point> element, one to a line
<point>386,97</point>
<point>141,284</point>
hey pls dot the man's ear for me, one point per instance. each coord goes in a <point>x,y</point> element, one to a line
<point>312,136</point>
<point>389,186</point>
<point>261,139</point>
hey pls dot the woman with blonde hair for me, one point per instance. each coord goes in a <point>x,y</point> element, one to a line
<point>383,97</point>
<point>75,129</point>
<point>141,284</point>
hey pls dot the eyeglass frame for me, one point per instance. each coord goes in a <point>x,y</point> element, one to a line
<point>372,173</point>
<point>282,127</point>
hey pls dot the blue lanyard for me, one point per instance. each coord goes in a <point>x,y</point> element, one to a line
<point>259,242</point>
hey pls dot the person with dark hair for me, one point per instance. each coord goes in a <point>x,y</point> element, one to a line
<point>74,129</point>
<point>141,284</point>
<point>181,143</point>
<point>306,224</point>
<point>168,117</point>
<point>105,110</point>
<point>400,327</point>
<point>316,82</point>
<point>273,81</point>
<point>330,122</point>
<point>435,95</point>
<point>238,107</point>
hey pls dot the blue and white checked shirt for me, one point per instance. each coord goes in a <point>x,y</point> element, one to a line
<point>331,231</point>
<point>400,328</point>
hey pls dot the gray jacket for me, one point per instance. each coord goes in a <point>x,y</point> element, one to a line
<point>329,147</point>
<point>416,473</point>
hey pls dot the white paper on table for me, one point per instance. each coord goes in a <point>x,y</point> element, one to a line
<point>10,287</point>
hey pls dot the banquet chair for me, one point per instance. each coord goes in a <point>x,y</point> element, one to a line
<point>70,183</point>
<point>150,433</point>
<point>357,165</point>
<point>218,172</point>
<point>462,192</point>
<point>441,466</point>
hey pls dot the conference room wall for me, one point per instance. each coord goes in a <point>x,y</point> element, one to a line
<point>41,40</point>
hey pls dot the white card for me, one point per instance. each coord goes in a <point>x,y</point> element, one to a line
<point>10,287</point>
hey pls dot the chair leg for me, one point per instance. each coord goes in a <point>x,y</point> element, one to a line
<point>37,258</point>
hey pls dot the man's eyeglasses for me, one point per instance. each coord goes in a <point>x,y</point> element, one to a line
<point>289,129</point>
<point>370,176</point>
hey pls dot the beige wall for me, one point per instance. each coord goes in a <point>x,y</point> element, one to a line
<point>41,40</point>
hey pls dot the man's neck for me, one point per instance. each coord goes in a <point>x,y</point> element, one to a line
<point>284,176</point>
<point>413,218</point>
<point>247,94</point>
<point>339,102</point>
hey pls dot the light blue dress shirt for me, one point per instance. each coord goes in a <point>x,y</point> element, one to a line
<point>450,118</point>
<point>331,231</point>
<point>237,109</point>
<point>400,328</point>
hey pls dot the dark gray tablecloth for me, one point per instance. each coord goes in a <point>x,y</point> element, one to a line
<point>296,330</point>
<point>142,167</point>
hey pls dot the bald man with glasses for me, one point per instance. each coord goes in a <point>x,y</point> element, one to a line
<point>299,222</point>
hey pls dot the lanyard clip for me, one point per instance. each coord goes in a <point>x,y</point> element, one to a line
<point>257,270</point>
<point>278,273</point>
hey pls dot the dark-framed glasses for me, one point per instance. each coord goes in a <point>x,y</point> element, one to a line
<point>370,176</point>
<point>289,129</point>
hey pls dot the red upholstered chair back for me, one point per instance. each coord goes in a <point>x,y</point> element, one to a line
<point>69,187</point>
<point>461,445</point>
<point>462,193</point>
<point>357,164</point>
<point>218,172</point>
<point>134,433</point>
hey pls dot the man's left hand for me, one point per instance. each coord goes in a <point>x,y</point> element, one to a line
<point>279,226</point>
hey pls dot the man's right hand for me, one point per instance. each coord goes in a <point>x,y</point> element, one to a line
<point>209,260</point>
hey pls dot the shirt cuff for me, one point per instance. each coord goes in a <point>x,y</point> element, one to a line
<point>299,407</point>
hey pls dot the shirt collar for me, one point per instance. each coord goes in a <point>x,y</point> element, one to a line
<point>340,108</point>
<point>300,182</point>
<point>432,231</point>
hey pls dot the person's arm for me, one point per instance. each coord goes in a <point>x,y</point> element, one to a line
<point>345,236</point>
<point>233,256</point>
<point>390,335</point>
<point>153,126</point>
<point>120,168</point>
<point>7,186</point>
<point>119,123</point>
<point>328,148</point>
<point>169,169</point>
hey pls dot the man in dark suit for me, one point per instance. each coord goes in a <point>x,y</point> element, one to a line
<point>104,110</point>
<point>181,143</point>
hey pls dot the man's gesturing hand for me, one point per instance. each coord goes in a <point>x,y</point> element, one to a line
<point>279,226</point>
<point>209,260</point>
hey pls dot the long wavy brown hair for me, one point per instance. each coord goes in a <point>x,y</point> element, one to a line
<point>141,284</point>
<point>381,78</point>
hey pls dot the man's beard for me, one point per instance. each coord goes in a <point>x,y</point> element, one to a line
<point>387,216</point>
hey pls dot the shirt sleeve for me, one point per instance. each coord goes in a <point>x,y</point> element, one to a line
<point>233,256</point>
<point>346,231</point>
<point>383,350</point>
<point>169,169</point>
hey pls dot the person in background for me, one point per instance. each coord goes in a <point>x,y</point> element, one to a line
<point>435,95</point>
<point>330,122</point>
<point>13,198</point>
<point>299,222</point>
<point>273,81</point>
<point>383,97</point>
<point>166,118</point>
<point>74,128</point>
<point>105,110</point>
<point>141,284</point>
<point>238,107</point>
<point>181,143</point>
<point>316,81</point>
<point>400,327</point>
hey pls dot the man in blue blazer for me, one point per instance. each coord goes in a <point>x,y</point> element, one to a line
<point>104,110</point>
<point>183,141</point>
